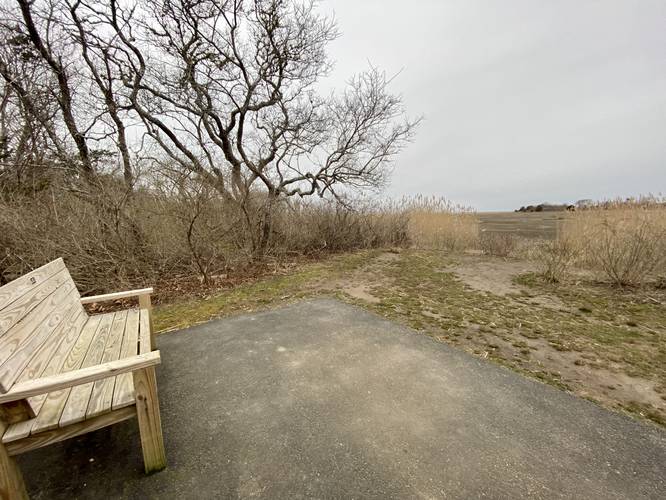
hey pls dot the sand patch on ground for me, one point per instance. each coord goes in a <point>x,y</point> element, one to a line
<point>361,292</point>
<point>492,275</point>
<point>496,276</point>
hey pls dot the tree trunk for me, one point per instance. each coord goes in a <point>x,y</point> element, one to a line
<point>266,225</point>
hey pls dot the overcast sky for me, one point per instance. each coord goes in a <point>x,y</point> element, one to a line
<point>524,100</point>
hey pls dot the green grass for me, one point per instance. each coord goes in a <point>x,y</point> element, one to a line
<point>268,292</point>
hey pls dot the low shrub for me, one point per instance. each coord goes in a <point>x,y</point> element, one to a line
<point>556,258</point>
<point>626,245</point>
<point>498,244</point>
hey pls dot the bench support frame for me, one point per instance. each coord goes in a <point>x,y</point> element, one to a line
<point>11,480</point>
<point>148,415</point>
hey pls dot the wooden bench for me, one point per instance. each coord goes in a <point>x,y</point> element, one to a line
<point>64,373</point>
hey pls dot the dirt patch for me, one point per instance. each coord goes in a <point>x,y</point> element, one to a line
<point>496,276</point>
<point>361,292</point>
<point>492,275</point>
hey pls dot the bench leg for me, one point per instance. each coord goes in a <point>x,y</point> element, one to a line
<point>11,480</point>
<point>148,415</point>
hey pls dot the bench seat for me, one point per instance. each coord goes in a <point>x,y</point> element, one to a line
<point>64,373</point>
<point>90,341</point>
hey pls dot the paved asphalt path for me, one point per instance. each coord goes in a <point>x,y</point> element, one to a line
<point>324,400</point>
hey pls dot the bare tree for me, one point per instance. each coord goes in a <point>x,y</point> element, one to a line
<point>230,92</point>
<point>64,41</point>
<point>29,140</point>
<point>64,96</point>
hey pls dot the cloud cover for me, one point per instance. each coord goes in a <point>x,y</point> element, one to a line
<point>524,100</point>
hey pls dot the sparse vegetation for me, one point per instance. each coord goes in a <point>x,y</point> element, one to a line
<point>627,245</point>
<point>498,244</point>
<point>556,259</point>
<point>577,338</point>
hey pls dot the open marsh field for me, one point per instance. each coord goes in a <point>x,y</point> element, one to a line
<point>544,225</point>
<point>602,343</point>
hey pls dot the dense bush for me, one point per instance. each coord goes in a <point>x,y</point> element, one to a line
<point>111,239</point>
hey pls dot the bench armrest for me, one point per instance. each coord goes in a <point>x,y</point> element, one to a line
<point>117,295</point>
<point>43,385</point>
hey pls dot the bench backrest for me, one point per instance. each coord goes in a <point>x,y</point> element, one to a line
<point>33,308</point>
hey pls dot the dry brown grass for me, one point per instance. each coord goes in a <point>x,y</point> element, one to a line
<point>626,245</point>
<point>499,244</point>
<point>556,259</point>
<point>436,223</point>
<point>111,241</point>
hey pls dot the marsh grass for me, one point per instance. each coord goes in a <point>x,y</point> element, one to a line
<point>436,223</point>
<point>625,245</point>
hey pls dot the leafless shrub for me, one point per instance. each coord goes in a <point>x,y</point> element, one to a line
<point>178,227</point>
<point>556,258</point>
<point>336,227</point>
<point>627,245</point>
<point>498,244</point>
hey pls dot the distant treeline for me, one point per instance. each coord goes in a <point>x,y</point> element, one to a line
<point>645,201</point>
<point>546,207</point>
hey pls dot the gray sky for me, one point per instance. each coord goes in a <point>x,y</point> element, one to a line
<point>524,100</point>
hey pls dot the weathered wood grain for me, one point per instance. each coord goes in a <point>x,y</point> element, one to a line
<point>101,396</point>
<point>18,345</point>
<point>145,341</point>
<point>34,279</point>
<point>35,441</point>
<point>77,402</point>
<point>150,424</point>
<point>65,361</point>
<point>11,480</point>
<point>22,306</point>
<point>123,393</point>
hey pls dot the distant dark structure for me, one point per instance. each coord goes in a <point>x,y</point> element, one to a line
<point>547,207</point>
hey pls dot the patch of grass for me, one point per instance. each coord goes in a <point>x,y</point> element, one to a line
<point>261,294</point>
<point>645,411</point>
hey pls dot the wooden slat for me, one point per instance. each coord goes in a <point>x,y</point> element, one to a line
<point>77,402</point>
<point>116,295</point>
<point>18,345</point>
<point>49,359</point>
<point>13,339</point>
<point>82,376</point>
<point>144,332</point>
<point>34,279</point>
<point>22,306</point>
<point>70,327</point>
<point>101,396</point>
<point>69,356</point>
<point>49,437</point>
<point>123,393</point>
<point>68,379</point>
<point>18,431</point>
